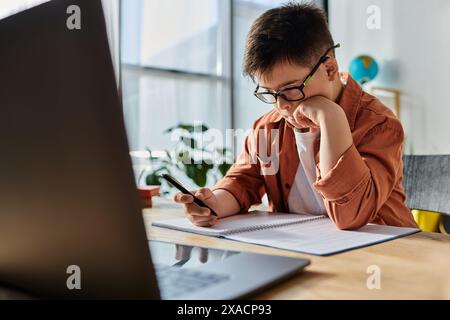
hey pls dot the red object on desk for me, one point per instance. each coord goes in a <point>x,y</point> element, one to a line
<point>146,193</point>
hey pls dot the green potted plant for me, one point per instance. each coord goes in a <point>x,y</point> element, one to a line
<point>188,157</point>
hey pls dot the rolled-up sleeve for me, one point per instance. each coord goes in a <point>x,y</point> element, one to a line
<point>363,177</point>
<point>244,179</point>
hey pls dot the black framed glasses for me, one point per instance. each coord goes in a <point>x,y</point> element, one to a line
<point>292,93</point>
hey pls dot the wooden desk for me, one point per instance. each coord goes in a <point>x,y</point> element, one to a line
<point>414,267</point>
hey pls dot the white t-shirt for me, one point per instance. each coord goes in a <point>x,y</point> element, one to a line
<point>303,198</point>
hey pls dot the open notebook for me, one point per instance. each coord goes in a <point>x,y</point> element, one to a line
<point>310,234</point>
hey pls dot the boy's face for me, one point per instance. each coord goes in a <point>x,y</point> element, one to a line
<point>285,75</point>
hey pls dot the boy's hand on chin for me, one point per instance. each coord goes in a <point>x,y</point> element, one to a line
<point>313,111</point>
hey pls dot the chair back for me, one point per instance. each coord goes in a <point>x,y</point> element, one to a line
<point>426,180</point>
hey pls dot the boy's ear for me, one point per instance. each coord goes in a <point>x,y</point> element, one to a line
<point>331,68</point>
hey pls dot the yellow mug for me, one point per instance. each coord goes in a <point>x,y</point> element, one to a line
<point>427,220</point>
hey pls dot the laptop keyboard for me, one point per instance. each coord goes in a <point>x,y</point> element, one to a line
<point>174,282</point>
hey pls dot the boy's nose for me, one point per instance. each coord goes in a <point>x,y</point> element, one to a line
<point>283,104</point>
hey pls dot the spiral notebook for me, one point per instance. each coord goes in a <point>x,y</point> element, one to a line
<point>304,233</point>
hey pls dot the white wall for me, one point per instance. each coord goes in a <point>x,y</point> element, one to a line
<point>413,50</point>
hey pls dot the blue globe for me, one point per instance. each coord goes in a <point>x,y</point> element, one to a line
<point>363,69</point>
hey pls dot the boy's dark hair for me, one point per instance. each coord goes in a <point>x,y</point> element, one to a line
<point>293,33</point>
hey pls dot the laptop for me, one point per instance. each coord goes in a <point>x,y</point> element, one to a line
<point>71,224</point>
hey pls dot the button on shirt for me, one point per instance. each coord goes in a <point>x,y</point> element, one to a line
<point>303,198</point>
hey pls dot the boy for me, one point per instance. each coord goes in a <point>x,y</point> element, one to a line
<point>338,149</point>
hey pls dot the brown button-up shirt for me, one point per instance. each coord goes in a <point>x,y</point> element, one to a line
<point>365,185</point>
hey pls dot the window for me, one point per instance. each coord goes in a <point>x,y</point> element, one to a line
<point>175,67</point>
<point>9,7</point>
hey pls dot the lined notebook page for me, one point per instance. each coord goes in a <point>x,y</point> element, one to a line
<point>256,220</point>
<point>321,237</point>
